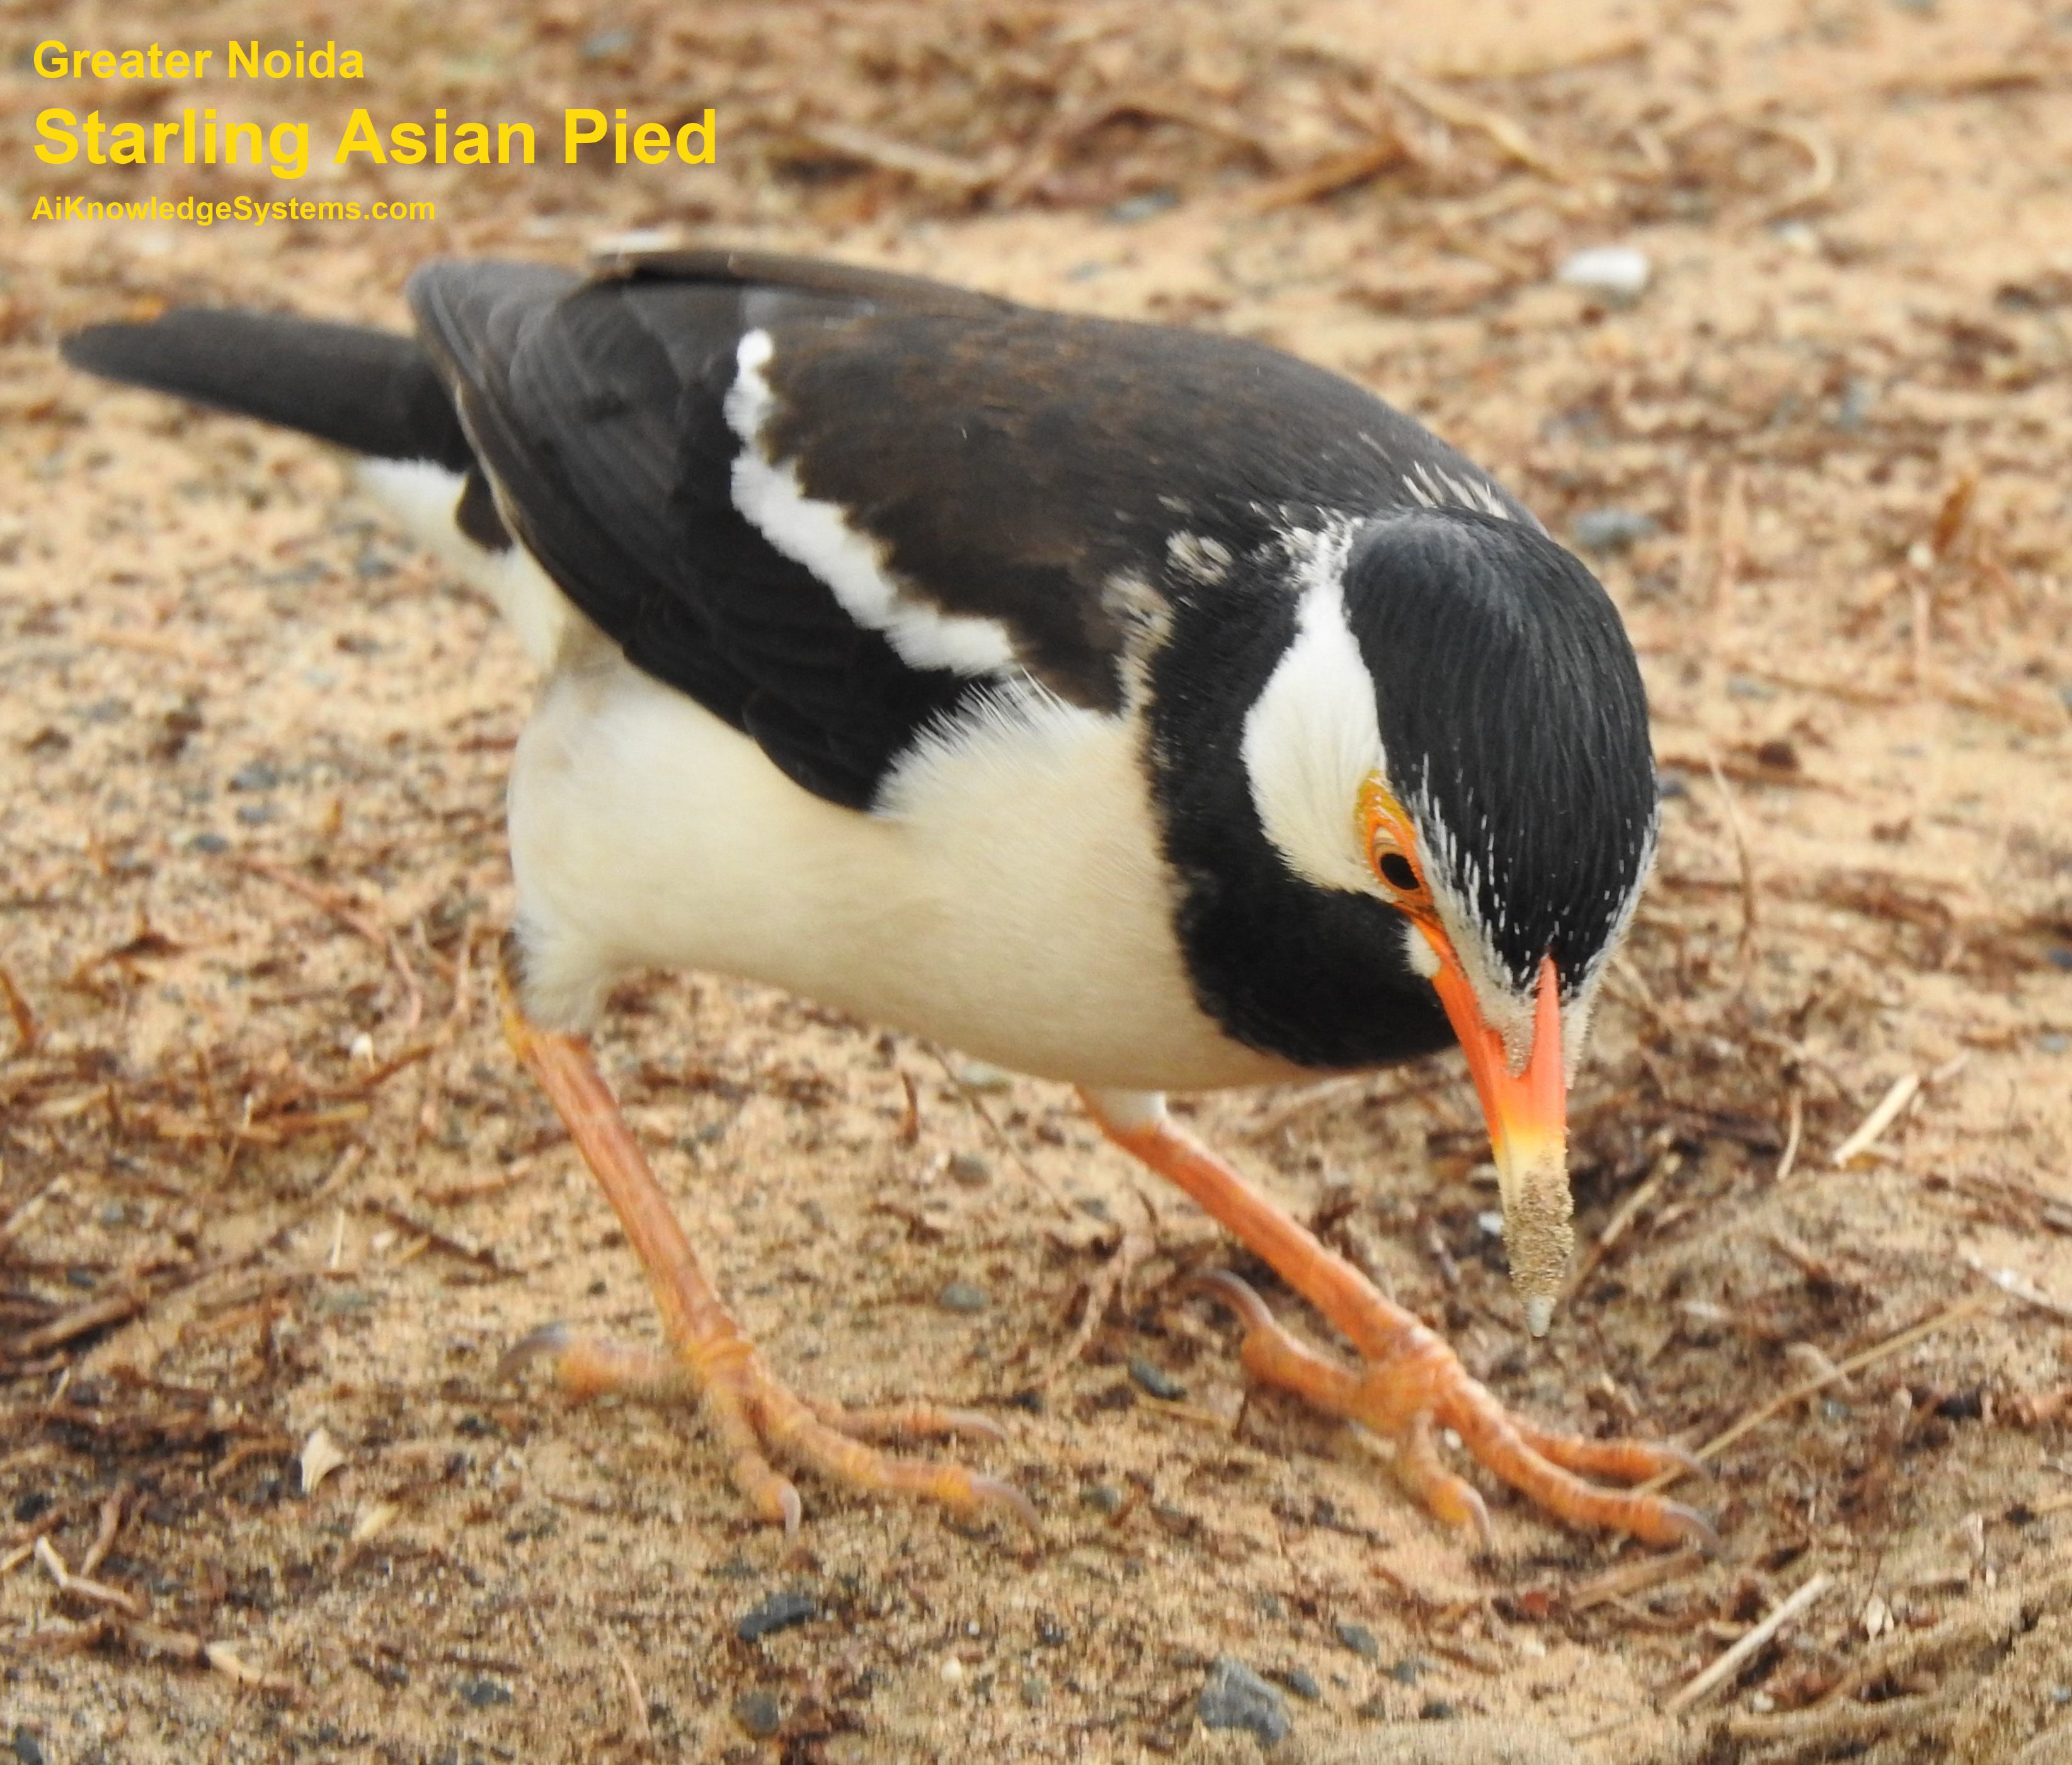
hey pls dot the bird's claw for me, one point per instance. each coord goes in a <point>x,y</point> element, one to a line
<point>1407,1394</point>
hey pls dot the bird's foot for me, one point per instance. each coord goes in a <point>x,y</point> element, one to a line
<point>1412,1385</point>
<point>759,1418</point>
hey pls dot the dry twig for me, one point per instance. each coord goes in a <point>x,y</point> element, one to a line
<point>1329,175</point>
<point>1744,864</point>
<point>1463,113</point>
<point>1624,1580</point>
<point>1745,1650</point>
<point>84,1587</point>
<point>1629,1211</point>
<point>25,1034</point>
<point>1882,1116</point>
<point>1969,1306</point>
<point>353,920</point>
<point>1135,1246</point>
<point>1794,1127</point>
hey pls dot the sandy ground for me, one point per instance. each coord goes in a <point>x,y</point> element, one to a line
<point>266,1170</point>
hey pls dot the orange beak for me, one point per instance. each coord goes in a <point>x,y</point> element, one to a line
<point>1527,1114</point>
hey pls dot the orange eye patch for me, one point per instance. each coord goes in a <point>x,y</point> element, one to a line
<point>1391,847</point>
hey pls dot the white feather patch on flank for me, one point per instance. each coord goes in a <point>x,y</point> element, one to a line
<point>817,534</point>
<point>1008,896</point>
<point>1313,737</point>
<point>423,496</point>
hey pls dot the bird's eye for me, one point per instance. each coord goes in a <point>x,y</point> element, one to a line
<point>1390,845</point>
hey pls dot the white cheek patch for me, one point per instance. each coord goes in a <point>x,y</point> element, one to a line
<point>1313,737</point>
<point>1418,953</point>
<point>818,535</point>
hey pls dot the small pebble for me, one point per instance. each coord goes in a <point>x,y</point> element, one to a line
<point>969,1170</point>
<point>1858,395</point>
<point>779,1611</point>
<point>1102,1498</point>
<point>1237,1697</point>
<point>255,775</point>
<point>481,1693</point>
<point>1302,1684</point>
<point>1409,1670</point>
<point>1612,528</point>
<point>28,1749</point>
<point>759,1713</point>
<point>1155,1380</point>
<point>1034,1689</point>
<point>1437,1709</point>
<point>1620,272</point>
<point>1133,209</point>
<point>962,1296</point>
<point>1360,1640</point>
<point>210,843</point>
<point>1491,1222</point>
<point>605,44</point>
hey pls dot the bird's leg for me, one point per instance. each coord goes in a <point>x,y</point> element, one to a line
<point>756,1416</point>
<point>1411,1383</point>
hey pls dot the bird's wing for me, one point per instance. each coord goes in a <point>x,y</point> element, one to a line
<point>831,503</point>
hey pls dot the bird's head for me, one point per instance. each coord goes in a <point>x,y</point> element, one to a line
<point>1448,763</point>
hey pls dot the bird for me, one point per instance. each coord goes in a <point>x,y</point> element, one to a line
<point>1135,707</point>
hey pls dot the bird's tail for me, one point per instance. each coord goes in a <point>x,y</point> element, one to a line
<point>372,391</point>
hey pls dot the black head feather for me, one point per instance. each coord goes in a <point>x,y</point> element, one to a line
<point>1513,717</point>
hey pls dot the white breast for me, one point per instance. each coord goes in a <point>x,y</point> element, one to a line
<point>1008,899</point>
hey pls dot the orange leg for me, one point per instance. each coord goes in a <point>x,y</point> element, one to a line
<point>1411,1383</point>
<point>756,1416</point>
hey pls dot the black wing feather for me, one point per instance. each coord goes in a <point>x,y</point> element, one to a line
<point>599,408</point>
<point>1011,464</point>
